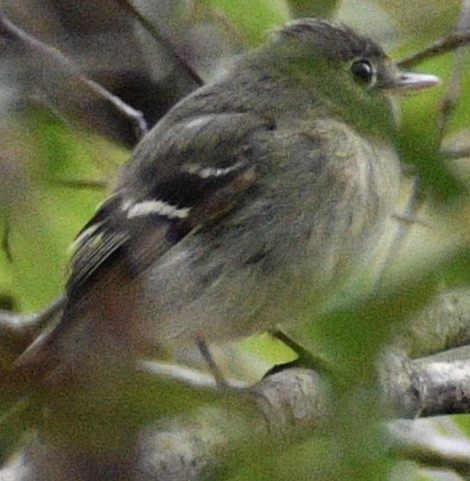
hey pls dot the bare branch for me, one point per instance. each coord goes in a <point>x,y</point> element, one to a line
<point>287,405</point>
<point>91,184</point>
<point>21,329</point>
<point>7,28</point>
<point>435,442</point>
<point>425,388</point>
<point>441,325</point>
<point>163,40</point>
<point>438,47</point>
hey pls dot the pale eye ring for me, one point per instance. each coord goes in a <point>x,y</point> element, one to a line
<point>363,72</point>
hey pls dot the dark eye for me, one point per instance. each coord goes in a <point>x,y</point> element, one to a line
<point>362,72</point>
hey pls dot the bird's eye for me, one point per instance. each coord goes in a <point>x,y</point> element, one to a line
<point>363,72</point>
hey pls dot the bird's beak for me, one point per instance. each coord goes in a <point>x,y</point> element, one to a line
<point>413,81</point>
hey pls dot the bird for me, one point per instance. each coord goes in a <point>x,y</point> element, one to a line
<point>252,199</point>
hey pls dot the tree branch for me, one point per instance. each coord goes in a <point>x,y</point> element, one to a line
<point>438,47</point>
<point>163,40</point>
<point>287,405</point>
<point>434,442</point>
<point>424,388</point>
<point>53,56</point>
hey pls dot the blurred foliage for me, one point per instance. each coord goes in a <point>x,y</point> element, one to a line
<point>414,18</point>
<point>41,213</point>
<point>251,17</point>
<point>306,8</point>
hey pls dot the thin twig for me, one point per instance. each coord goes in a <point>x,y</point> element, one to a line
<point>32,322</point>
<point>438,47</point>
<point>9,29</point>
<point>91,184</point>
<point>134,115</point>
<point>19,330</point>
<point>163,40</point>
<point>434,442</point>
<point>6,247</point>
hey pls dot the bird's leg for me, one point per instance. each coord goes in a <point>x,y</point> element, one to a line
<point>304,357</point>
<point>212,365</point>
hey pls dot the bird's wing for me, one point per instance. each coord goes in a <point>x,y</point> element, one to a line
<point>193,171</point>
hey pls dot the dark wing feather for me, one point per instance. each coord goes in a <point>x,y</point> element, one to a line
<point>213,167</point>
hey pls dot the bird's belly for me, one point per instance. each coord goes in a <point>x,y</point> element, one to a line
<point>283,269</point>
